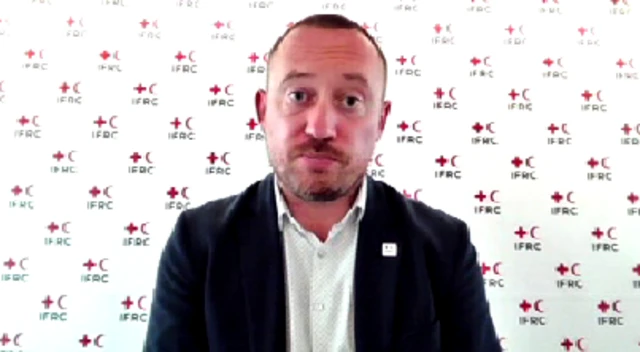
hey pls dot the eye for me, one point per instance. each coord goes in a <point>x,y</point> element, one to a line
<point>298,96</point>
<point>351,101</point>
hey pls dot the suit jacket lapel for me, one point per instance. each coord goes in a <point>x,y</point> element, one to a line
<point>375,274</point>
<point>262,268</point>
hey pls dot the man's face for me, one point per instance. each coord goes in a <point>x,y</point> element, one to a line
<point>324,111</point>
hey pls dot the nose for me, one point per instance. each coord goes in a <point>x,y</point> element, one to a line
<point>321,121</point>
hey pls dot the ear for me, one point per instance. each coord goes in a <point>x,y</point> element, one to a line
<point>261,105</point>
<point>386,110</point>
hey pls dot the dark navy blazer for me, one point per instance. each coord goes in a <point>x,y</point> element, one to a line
<point>220,284</point>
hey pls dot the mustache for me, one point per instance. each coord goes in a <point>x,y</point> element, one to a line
<point>319,147</point>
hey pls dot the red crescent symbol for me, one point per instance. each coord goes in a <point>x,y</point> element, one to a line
<point>451,93</point>
<point>592,30</point>
<point>579,344</point>
<point>492,196</point>
<point>22,263</point>
<point>151,88</point>
<point>453,160</point>
<point>75,87</point>
<point>570,197</point>
<point>33,120</point>
<point>111,124</point>
<point>610,233</point>
<point>60,302</point>
<point>415,126</point>
<point>224,158</point>
<point>140,302</point>
<point>143,228</point>
<point>528,162</point>
<point>615,306</point>
<point>64,227</point>
<point>40,53</point>
<point>81,22</point>
<point>229,24</point>
<point>191,56</point>
<point>574,269</point>
<point>415,194</point>
<point>532,232</point>
<point>116,55</point>
<point>377,160</point>
<point>630,64</point>
<point>496,268</point>
<point>599,95</point>
<point>375,26</point>
<point>638,128</point>
<point>16,340</point>
<point>148,157</point>
<point>521,29</point>
<point>560,62</point>
<point>27,191</point>
<point>106,192</point>
<point>101,264</point>
<point>489,127</point>
<point>603,162</point>
<point>184,192</point>
<point>265,57</point>
<point>226,89</point>
<point>413,60</point>
<point>70,155</point>
<point>536,306</point>
<point>485,61</point>
<point>564,128</point>
<point>524,94</point>
<point>187,123</point>
<point>97,341</point>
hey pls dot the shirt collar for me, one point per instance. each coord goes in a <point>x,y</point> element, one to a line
<point>283,210</point>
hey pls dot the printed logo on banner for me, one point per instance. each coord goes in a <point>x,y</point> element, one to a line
<point>100,275</point>
<point>555,69</point>
<point>23,195</point>
<point>142,164</point>
<point>32,129</point>
<point>223,31</point>
<point>188,66</point>
<point>258,64</point>
<point>54,239</point>
<point>222,95</point>
<point>443,34</point>
<point>628,69</point>
<point>137,236</point>
<point>411,69</point>
<point>376,166</point>
<point>219,164</point>
<point>135,310</point>
<point>515,35</point>
<point>481,67</point>
<point>182,129</point>
<point>484,134</point>
<point>533,243</point>
<point>109,131</point>
<point>449,168</point>
<point>16,270</point>
<point>181,203</point>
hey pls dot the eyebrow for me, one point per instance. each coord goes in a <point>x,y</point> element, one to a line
<point>350,76</point>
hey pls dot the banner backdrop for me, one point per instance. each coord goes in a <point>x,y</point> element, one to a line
<point>520,117</point>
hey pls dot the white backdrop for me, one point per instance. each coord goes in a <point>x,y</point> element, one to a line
<point>131,97</point>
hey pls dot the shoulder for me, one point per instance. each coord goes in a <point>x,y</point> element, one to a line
<point>204,223</point>
<point>423,222</point>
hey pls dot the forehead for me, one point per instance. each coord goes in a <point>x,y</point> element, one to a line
<point>327,51</point>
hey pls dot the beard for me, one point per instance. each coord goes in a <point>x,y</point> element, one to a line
<point>318,185</point>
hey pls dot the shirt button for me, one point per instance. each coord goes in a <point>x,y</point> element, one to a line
<point>321,253</point>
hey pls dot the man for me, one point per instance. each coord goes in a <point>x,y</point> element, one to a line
<point>317,256</point>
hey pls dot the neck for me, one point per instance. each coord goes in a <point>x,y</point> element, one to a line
<point>319,217</point>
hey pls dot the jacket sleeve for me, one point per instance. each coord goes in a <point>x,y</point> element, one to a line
<point>466,323</point>
<point>176,320</point>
